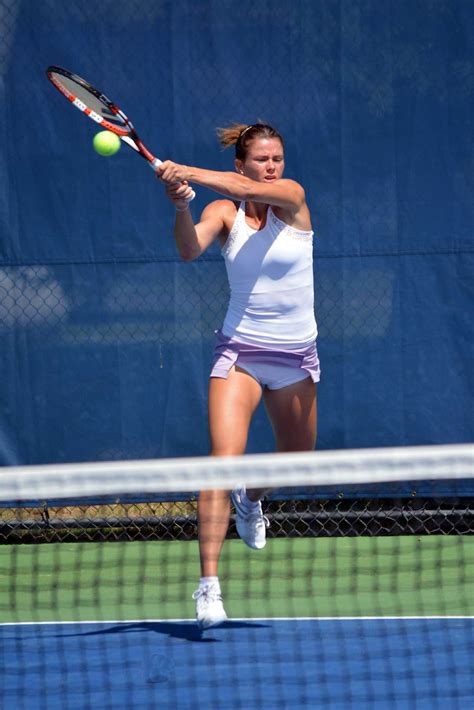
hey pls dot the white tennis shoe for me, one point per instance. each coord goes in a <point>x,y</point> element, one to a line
<point>250,521</point>
<point>209,607</point>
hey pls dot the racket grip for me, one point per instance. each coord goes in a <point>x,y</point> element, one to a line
<point>155,163</point>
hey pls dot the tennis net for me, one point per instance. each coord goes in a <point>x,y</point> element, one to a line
<point>362,597</point>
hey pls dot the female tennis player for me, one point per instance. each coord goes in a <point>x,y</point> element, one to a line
<point>267,343</point>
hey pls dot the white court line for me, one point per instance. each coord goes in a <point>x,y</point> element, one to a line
<point>240,618</point>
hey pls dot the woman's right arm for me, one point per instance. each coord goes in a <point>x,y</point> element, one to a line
<point>192,240</point>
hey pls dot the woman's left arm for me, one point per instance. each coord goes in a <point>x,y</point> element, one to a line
<point>287,194</point>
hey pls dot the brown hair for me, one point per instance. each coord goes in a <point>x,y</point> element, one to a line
<point>241,135</point>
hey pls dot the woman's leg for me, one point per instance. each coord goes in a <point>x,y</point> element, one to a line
<point>292,412</point>
<point>232,403</point>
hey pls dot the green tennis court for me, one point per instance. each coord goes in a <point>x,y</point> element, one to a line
<point>385,576</point>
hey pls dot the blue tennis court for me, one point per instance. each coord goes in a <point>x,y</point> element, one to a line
<point>391,663</point>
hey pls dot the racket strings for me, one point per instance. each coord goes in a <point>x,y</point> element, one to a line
<point>90,100</point>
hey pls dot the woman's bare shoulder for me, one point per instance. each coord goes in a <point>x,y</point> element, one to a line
<point>221,207</point>
<point>225,210</point>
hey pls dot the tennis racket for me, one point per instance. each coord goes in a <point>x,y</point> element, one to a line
<point>99,108</point>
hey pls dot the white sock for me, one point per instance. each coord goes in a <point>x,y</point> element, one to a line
<point>206,581</point>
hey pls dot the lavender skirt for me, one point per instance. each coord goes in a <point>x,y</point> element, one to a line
<point>254,358</point>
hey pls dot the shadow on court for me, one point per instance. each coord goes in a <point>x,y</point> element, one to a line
<point>184,630</point>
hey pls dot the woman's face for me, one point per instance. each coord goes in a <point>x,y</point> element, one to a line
<point>264,161</point>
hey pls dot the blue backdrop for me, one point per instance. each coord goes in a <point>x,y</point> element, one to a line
<point>106,337</point>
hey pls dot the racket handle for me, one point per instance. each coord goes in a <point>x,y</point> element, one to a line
<point>155,163</point>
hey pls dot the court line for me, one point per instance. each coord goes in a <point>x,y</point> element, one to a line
<point>239,618</point>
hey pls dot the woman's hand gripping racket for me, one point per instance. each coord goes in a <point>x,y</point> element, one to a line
<point>99,108</point>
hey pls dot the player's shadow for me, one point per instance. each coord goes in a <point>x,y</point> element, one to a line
<point>185,630</point>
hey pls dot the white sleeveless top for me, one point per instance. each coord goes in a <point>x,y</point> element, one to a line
<point>270,276</point>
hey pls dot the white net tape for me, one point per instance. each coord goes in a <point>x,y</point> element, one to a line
<point>320,468</point>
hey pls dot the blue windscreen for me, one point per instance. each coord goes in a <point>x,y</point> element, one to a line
<point>106,337</point>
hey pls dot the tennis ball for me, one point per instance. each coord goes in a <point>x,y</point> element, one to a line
<point>106,143</point>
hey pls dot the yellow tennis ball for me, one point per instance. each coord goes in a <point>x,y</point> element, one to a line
<point>106,143</point>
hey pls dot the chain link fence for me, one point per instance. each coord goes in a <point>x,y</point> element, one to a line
<point>304,514</point>
<point>133,309</point>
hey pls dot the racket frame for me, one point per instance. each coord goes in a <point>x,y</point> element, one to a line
<point>127,133</point>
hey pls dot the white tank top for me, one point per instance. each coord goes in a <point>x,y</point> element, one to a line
<point>270,276</point>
